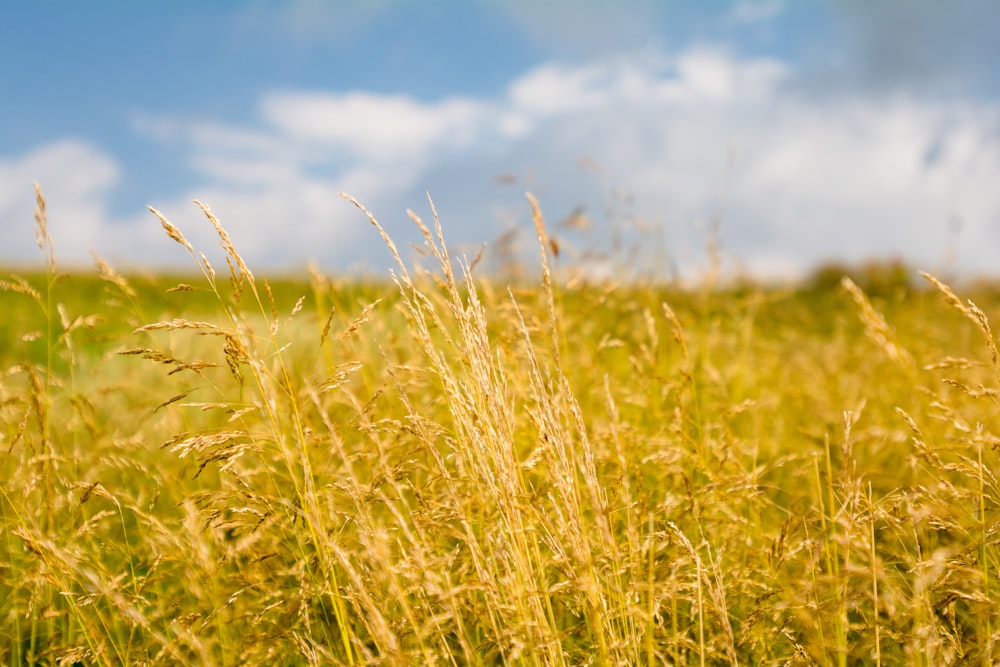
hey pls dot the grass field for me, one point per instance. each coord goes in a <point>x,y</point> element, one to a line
<point>445,470</point>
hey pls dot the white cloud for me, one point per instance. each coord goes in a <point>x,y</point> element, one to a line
<point>372,127</point>
<point>267,225</point>
<point>75,178</point>
<point>691,136</point>
<point>712,75</point>
<point>551,89</point>
<point>809,180</point>
<point>852,180</point>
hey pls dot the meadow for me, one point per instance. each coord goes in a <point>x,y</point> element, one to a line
<point>443,469</point>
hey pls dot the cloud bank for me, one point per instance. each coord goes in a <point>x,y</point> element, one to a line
<point>682,142</point>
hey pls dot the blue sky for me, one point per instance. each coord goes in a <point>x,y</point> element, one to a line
<point>793,132</point>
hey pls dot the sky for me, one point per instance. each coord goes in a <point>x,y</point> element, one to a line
<point>783,133</point>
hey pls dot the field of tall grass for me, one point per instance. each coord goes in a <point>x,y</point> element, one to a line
<point>443,469</point>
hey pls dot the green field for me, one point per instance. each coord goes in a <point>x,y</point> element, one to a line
<point>225,471</point>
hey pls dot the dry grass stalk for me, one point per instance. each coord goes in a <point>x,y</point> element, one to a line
<point>462,474</point>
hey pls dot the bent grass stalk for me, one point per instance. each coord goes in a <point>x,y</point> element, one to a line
<point>240,339</point>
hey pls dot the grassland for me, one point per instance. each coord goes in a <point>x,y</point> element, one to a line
<point>445,470</point>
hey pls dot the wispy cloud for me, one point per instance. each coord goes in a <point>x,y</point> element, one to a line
<point>756,11</point>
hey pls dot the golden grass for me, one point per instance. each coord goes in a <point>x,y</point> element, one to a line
<point>453,472</point>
